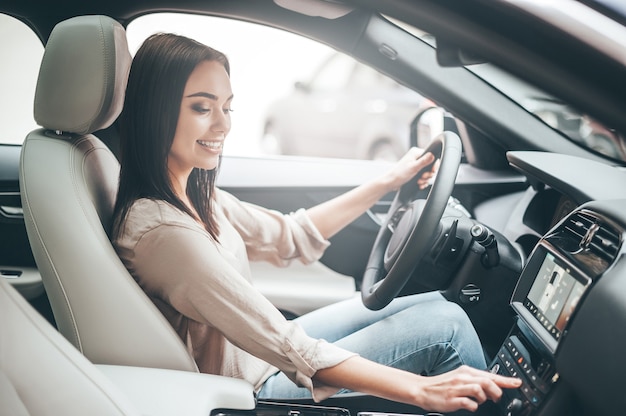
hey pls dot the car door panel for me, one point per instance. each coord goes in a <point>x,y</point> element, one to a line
<point>14,247</point>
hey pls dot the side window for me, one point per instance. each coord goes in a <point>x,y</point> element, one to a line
<point>295,96</point>
<point>366,77</point>
<point>334,74</point>
<point>21,52</point>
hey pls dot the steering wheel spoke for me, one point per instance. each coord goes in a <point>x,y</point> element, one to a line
<point>395,218</point>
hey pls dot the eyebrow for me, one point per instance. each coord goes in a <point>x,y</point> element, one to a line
<point>207,95</point>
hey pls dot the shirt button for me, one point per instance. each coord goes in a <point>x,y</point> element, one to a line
<point>287,348</point>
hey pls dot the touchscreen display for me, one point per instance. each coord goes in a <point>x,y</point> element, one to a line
<point>553,296</point>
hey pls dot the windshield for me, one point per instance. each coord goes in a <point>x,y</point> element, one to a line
<point>556,113</point>
<point>571,123</point>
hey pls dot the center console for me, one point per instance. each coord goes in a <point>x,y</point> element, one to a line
<point>560,271</point>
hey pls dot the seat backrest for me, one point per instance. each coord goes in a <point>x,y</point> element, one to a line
<point>42,374</point>
<point>68,183</point>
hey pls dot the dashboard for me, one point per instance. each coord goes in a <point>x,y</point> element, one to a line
<point>558,185</point>
<point>569,301</point>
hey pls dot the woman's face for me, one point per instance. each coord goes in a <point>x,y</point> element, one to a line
<point>203,122</point>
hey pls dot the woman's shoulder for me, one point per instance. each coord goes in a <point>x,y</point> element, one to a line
<point>147,214</point>
<point>154,210</point>
<point>224,198</point>
<point>230,205</point>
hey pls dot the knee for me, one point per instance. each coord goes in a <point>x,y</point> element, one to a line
<point>454,317</point>
<point>442,322</point>
<point>462,335</point>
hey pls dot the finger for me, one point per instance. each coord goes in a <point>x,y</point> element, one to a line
<point>476,391</point>
<point>426,159</point>
<point>494,383</point>
<point>422,163</point>
<point>423,181</point>
<point>464,403</point>
<point>500,380</point>
<point>507,382</point>
<point>436,165</point>
<point>423,185</point>
<point>491,390</point>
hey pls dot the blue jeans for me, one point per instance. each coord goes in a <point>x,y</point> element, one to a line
<point>424,334</point>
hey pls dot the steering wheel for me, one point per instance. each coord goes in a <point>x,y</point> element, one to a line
<point>407,232</point>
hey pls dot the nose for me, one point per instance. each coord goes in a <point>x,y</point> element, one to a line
<point>221,121</point>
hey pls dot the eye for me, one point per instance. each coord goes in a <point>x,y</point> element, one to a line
<point>228,110</point>
<point>200,109</point>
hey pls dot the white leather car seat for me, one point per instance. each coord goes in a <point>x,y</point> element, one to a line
<point>42,374</point>
<point>68,182</point>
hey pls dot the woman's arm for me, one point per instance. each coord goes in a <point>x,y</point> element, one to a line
<point>331,216</point>
<point>462,388</point>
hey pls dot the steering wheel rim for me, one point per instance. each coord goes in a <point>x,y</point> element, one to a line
<point>406,234</point>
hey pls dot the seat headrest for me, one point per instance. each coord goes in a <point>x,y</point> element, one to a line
<point>83,75</point>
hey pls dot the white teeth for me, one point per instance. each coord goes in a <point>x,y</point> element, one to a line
<point>211,145</point>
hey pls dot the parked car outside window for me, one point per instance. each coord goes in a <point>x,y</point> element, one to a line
<point>345,110</point>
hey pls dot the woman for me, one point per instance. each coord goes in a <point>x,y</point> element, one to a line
<point>188,244</point>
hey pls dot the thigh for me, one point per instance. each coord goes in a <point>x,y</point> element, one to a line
<point>340,319</point>
<point>426,338</point>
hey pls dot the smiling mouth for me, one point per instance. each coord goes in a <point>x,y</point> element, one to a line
<point>211,145</point>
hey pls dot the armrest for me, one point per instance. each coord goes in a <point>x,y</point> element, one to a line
<point>171,392</point>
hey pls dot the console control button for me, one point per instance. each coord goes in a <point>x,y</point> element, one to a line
<point>514,407</point>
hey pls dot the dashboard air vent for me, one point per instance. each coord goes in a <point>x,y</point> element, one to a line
<point>593,234</point>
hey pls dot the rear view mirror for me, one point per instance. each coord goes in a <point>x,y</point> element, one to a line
<point>451,55</point>
<point>427,125</point>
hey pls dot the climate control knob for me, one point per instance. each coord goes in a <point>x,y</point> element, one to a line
<point>514,407</point>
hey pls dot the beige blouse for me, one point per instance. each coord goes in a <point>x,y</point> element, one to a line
<point>203,287</point>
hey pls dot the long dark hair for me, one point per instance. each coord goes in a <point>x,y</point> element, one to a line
<point>158,74</point>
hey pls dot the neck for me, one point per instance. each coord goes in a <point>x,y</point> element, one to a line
<point>179,184</point>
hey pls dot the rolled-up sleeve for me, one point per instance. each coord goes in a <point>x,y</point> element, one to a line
<point>190,271</point>
<point>272,236</point>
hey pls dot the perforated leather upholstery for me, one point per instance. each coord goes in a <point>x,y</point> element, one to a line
<point>68,181</point>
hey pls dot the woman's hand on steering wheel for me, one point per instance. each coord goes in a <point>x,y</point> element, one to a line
<point>413,161</point>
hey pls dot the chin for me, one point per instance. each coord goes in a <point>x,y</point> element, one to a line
<point>210,166</point>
